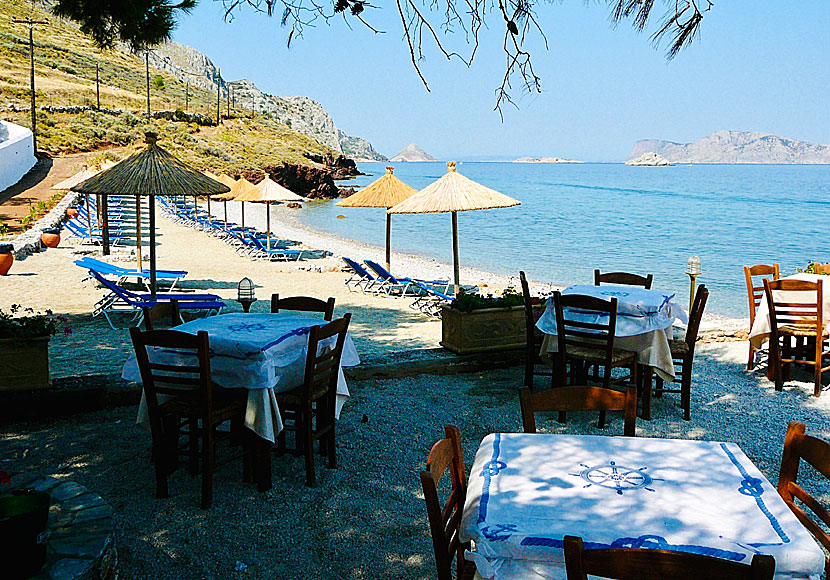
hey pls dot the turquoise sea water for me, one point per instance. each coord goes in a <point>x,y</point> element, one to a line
<point>575,218</point>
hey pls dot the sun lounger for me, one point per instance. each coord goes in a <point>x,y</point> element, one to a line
<point>430,300</point>
<point>391,285</point>
<point>91,238</point>
<point>122,274</point>
<point>121,299</point>
<point>359,277</point>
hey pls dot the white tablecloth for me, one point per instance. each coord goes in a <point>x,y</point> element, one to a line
<point>760,331</point>
<point>644,323</point>
<point>264,353</point>
<point>526,492</point>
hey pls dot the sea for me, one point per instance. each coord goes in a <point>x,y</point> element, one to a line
<point>574,218</point>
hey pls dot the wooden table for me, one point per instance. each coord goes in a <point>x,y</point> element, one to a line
<point>528,491</point>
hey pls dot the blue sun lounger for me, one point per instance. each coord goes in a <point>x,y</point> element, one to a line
<point>390,285</point>
<point>91,238</point>
<point>122,274</point>
<point>359,277</point>
<point>430,300</point>
<point>120,299</point>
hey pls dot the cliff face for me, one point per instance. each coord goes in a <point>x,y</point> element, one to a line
<point>736,147</point>
<point>302,114</point>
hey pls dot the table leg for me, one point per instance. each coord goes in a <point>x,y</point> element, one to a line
<point>262,463</point>
<point>646,391</point>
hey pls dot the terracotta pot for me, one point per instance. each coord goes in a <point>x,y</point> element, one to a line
<point>50,238</point>
<point>6,258</point>
<point>71,212</point>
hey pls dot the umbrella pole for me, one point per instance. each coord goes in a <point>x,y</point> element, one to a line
<point>151,207</point>
<point>88,216</point>
<point>208,216</point>
<point>138,231</point>
<point>456,268</point>
<point>105,226</point>
<point>226,214</point>
<point>268,224</point>
<point>388,240</point>
<point>243,217</point>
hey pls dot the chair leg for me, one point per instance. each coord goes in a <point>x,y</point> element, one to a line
<point>161,454</point>
<point>775,365</point>
<point>750,363</point>
<point>601,420</point>
<point>308,447</point>
<point>686,390</point>
<point>208,463</point>
<point>817,371</point>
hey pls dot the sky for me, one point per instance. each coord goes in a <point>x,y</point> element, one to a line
<point>757,66</point>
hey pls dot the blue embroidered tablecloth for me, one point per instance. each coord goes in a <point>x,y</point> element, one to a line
<point>527,491</point>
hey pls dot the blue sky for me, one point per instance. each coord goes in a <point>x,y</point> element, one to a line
<point>758,66</point>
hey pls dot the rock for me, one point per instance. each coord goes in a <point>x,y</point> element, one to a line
<point>650,159</point>
<point>736,147</point>
<point>412,153</point>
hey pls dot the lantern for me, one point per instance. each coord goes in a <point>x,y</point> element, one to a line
<point>245,294</point>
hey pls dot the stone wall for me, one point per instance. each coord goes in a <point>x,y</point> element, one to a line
<point>29,241</point>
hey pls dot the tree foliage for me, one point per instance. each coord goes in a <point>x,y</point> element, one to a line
<point>424,22</point>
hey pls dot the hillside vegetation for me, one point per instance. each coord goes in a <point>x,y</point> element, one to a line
<point>65,61</point>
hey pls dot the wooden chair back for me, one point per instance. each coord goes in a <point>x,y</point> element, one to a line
<point>445,519</point>
<point>303,304</point>
<point>648,564</point>
<point>322,364</point>
<point>574,333</point>
<point>695,316</point>
<point>805,311</point>
<point>624,278</point>
<point>191,379</point>
<point>162,310</point>
<point>756,293</point>
<point>797,446</point>
<point>579,398</point>
<point>821,268</point>
<point>533,338</point>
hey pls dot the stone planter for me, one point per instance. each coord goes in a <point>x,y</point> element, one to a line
<point>24,364</point>
<point>488,329</point>
<point>6,258</point>
<point>51,237</point>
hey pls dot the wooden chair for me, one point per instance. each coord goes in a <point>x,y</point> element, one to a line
<point>582,345</point>
<point>582,398</point>
<point>623,278</point>
<point>797,320</point>
<point>162,310</point>
<point>755,275</point>
<point>648,564</point>
<point>303,304</point>
<point>445,521</point>
<point>683,355</point>
<point>309,410</point>
<point>184,392</point>
<point>534,338</point>
<point>816,452</point>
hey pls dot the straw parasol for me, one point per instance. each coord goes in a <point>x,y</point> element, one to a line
<point>240,187</point>
<point>388,191</point>
<point>268,191</point>
<point>229,181</point>
<point>151,172</point>
<point>454,193</point>
<point>215,178</point>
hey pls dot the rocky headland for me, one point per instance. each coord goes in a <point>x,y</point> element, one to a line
<point>412,153</point>
<point>736,147</point>
<point>650,159</point>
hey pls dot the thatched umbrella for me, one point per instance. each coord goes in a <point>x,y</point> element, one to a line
<point>268,191</point>
<point>240,187</point>
<point>215,178</point>
<point>151,172</point>
<point>223,197</point>
<point>454,193</point>
<point>388,191</point>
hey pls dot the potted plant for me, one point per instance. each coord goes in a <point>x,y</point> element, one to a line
<point>24,347</point>
<point>479,323</point>
<point>6,258</point>
<point>50,237</point>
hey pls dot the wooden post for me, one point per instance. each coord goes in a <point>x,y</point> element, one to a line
<point>228,97</point>
<point>388,241</point>
<point>218,95</point>
<point>147,72</point>
<point>456,268</point>
<point>105,227</point>
<point>138,231</point>
<point>97,88</point>
<point>31,23</point>
<point>187,96</point>
<point>268,224</point>
<point>152,210</point>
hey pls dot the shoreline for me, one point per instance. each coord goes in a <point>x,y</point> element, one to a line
<point>407,264</point>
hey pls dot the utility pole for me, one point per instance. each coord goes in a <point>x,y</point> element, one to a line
<point>233,99</point>
<point>218,94</point>
<point>187,96</point>
<point>97,87</point>
<point>147,72</point>
<point>31,23</point>
<point>228,96</point>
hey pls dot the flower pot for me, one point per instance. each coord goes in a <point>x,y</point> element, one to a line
<point>23,517</point>
<point>487,329</point>
<point>24,364</point>
<point>6,258</point>
<point>71,211</point>
<point>51,237</point>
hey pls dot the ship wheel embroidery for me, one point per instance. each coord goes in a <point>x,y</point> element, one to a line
<point>616,477</point>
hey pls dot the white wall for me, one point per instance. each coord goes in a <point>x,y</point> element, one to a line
<point>17,154</point>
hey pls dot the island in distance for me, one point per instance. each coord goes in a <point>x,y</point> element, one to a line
<point>412,153</point>
<point>650,159</point>
<point>736,147</point>
<point>545,160</point>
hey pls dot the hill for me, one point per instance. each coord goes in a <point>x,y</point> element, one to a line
<point>65,69</point>
<point>412,153</point>
<point>736,147</point>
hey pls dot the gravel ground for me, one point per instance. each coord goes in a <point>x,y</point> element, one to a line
<point>366,519</point>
